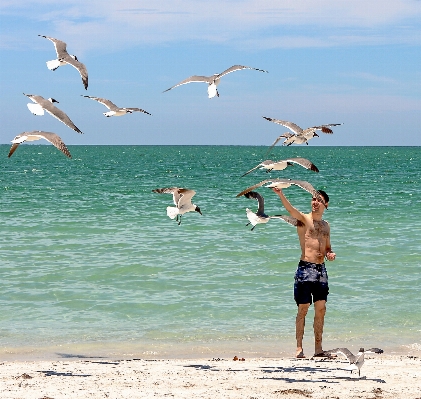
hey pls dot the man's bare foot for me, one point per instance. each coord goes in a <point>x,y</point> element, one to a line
<point>299,354</point>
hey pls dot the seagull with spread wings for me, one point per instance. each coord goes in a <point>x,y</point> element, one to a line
<point>63,58</point>
<point>283,183</point>
<point>42,104</point>
<point>258,217</point>
<point>213,80</point>
<point>38,135</point>
<point>114,110</point>
<point>299,135</point>
<point>355,361</point>
<point>270,165</point>
<point>182,199</point>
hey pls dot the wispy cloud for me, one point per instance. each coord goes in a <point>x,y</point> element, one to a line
<point>306,23</point>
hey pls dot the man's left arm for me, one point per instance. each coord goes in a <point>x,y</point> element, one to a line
<point>330,255</point>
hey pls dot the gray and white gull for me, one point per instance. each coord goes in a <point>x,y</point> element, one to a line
<point>182,199</point>
<point>299,135</point>
<point>53,138</point>
<point>270,165</point>
<point>42,104</point>
<point>114,109</point>
<point>213,80</point>
<point>283,183</point>
<point>63,58</point>
<point>355,361</point>
<point>258,217</point>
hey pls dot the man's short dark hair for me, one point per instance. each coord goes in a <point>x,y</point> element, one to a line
<point>324,195</point>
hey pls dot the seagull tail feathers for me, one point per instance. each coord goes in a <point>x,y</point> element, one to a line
<point>172,212</point>
<point>53,64</point>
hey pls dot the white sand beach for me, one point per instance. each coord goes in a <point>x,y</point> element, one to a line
<point>382,377</point>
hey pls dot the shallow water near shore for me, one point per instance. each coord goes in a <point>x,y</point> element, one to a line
<point>91,264</point>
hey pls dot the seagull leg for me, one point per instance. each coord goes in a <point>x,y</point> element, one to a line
<point>179,221</point>
<point>253,228</point>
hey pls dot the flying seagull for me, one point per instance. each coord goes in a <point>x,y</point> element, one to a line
<point>283,183</point>
<point>182,199</point>
<point>300,135</point>
<point>63,58</point>
<point>270,165</point>
<point>213,80</point>
<point>290,220</point>
<point>260,216</point>
<point>291,138</point>
<point>38,135</point>
<point>114,110</point>
<point>355,361</point>
<point>42,104</point>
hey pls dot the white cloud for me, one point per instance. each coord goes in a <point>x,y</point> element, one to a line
<point>286,23</point>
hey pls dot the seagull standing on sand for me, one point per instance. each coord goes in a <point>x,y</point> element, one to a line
<point>63,58</point>
<point>299,135</point>
<point>42,104</point>
<point>213,80</point>
<point>182,199</point>
<point>38,135</point>
<point>114,110</point>
<point>270,165</point>
<point>260,216</point>
<point>355,361</point>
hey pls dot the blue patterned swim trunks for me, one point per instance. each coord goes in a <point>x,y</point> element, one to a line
<point>311,283</point>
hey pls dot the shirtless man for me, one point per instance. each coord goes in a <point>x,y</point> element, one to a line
<point>311,280</point>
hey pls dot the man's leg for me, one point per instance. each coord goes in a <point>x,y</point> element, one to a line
<point>319,319</point>
<point>299,327</point>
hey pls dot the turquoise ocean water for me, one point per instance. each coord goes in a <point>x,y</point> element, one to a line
<point>92,266</point>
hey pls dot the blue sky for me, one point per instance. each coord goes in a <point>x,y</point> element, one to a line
<point>329,61</point>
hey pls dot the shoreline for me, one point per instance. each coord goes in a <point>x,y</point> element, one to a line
<point>382,377</point>
<point>150,350</point>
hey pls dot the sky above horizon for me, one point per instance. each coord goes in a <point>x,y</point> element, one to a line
<point>328,61</point>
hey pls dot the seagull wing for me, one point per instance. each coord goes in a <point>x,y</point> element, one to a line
<point>54,139</point>
<point>194,78</point>
<point>20,138</point>
<point>305,163</point>
<point>251,188</point>
<point>13,149</point>
<point>251,170</point>
<point>273,183</point>
<point>345,352</point>
<point>264,163</point>
<point>186,196</point>
<point>59,46</point>
<point>307,187</point>
<point>289,219</point>
<point>138,110</point>
<point>291,126</point>
<point>83,72</point>
<point>59,114</point>
<point>237,68</point>
<point>110,105</point>
<point>255,195</point>
<point>325,128</point>
<point>175,191</point>
<point>37,135</point>
<point>286,135</point>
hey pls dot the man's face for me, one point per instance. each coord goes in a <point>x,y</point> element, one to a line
<point>318,204</point>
